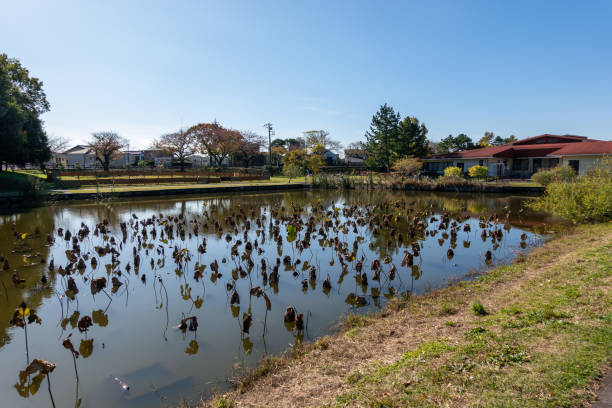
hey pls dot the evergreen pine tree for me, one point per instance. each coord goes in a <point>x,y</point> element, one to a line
<point>412,138</point>
<point>382,136</point>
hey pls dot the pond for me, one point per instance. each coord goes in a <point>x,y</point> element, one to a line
<point>170,297</point>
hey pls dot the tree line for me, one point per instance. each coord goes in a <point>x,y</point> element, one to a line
<point>22,101</point>
<point>218,142</point>
<point>391,138</point>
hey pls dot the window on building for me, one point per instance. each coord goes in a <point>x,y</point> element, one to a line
<point>520,164</point>
<point>481,162</point>
<point>437,166</point>
<point>575,164</point>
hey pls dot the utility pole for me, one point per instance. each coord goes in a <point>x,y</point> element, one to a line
<point>270,133</point>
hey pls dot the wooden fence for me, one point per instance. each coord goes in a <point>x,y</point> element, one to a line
<point>155,173</point>
<point>160,179</point>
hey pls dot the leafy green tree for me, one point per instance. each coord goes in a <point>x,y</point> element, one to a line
<point>22,101</point>
<point>382,136</point>
<point>292,170</point>
<point>510,139</point>
<point>457,143</point>
<point>412,138</point>
<point>498,141</point>
<point>278,143</point>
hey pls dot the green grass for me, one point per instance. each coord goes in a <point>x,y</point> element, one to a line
<point>36,173</point>
<point>478,309</point>
<point>27,185</point>
<point>542,349</point>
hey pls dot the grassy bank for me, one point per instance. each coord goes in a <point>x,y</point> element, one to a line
<point>29,187</point>
<point>535,333</point>
<point>171,186</point>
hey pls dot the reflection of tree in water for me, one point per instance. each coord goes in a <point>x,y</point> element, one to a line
<point>29,262</point>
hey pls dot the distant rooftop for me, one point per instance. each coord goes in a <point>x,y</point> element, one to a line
<point>546,145</point>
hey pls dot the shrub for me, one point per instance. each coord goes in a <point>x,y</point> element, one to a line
<point>448,310</point>
<point>478,309</point>
<point>564,174</point>
<point>31,188</point>
<point>408,166</point>
<point>292,170</point>
<point>453,172</point>
<point>478,171</point>
<point>587,199</point>
<point>370,163</point>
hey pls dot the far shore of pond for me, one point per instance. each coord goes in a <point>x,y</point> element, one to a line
<point>15,200</point>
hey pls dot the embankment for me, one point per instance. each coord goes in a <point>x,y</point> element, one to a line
<point>537,332</point>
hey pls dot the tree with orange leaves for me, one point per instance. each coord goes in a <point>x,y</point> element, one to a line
<point>215,140</point>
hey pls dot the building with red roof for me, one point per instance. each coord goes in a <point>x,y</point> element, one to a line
<point>524,157</point>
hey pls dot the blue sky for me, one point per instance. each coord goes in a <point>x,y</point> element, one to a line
<point>144,68</point>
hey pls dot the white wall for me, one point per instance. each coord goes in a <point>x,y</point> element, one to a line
<point>585,163</point>
<point>85,161</point>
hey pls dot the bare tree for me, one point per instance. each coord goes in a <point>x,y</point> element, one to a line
<point>179,145</point>
<point>106,147</point>
<point>356,146</point>
<point>320,140</point>
<point>355,149</point>
<point>215,140</point>
<point>58,144</point>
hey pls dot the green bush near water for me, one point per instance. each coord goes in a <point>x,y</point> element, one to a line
<point>29,187</point>
<point>586,199</point>
<point>292,171</point>
<point>563,174</point>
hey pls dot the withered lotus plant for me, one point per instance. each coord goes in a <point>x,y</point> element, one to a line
<point>67,343</point>
<point>22,316</point>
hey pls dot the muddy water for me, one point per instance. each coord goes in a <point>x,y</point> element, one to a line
<point>135,340</point>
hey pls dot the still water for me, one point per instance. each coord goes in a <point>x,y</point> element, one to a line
<point>158,258</point>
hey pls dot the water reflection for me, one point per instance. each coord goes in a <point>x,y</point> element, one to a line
<point>172,285</point>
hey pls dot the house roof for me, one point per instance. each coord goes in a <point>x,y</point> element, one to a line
<point>549,138</point>
<point>78,149</point>
<point>545,145</point>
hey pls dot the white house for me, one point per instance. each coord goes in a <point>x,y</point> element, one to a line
<point>79,156</point>
<point>524,157</point>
